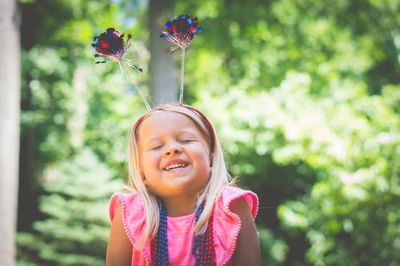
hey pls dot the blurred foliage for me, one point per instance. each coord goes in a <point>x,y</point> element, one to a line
<point>273,251</point>
<point>352,149</point>
<point>76,227</point>
<point>305,96</point>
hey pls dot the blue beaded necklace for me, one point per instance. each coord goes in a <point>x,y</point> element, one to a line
<point>203,247</point>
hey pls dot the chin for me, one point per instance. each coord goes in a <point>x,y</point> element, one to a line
<point>182,186</point>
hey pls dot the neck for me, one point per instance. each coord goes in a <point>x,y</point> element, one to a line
<point>180,206</point>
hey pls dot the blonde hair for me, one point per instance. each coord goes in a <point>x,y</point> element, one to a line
<point>218,179</point>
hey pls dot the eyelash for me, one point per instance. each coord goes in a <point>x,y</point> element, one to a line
<point>155,148</point>
<point>186,140</point>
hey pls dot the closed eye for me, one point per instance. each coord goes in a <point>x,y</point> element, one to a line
<point>187,140</point>
<point>154,148</point>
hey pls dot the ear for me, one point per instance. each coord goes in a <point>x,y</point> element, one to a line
<point>144,180</point>
<point>142,176</point>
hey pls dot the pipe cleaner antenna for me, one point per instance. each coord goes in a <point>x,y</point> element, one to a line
<point>180,32</point>
<point>111,46</point>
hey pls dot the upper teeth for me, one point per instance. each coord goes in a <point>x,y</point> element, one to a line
<point>175,165</point>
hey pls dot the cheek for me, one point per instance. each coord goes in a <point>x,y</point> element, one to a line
<point>203,159</point>
<point>148,162</point>
<point>205,155</point>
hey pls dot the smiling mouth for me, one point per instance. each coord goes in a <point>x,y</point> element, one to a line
<point>175,166</point>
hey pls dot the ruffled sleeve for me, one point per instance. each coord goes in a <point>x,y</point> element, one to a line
<point>227,224</point>
<point>133,219</point>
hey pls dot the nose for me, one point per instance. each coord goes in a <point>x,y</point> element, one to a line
<point>172,148</point>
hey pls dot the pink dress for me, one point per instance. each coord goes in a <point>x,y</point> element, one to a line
<point>180,229</point>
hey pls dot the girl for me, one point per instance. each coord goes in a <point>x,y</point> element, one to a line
<point>183,210</point>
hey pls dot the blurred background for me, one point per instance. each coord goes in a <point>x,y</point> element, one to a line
<point>305,96</point>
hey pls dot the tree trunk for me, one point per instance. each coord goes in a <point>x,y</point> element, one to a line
<point>163,74</point>
<point>9,128</point>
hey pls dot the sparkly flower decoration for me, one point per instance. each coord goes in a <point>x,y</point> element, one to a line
<point>181,31</point>
<point>111,46</point>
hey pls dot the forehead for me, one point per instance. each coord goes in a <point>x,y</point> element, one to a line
<point>166,121</point>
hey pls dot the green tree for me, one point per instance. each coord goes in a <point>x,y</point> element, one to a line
<point>75,228</point>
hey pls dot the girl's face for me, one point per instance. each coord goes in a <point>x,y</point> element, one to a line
<point>174,156</point>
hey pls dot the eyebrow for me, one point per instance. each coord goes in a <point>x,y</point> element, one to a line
<point>187,132</point>
<point>152,139</point>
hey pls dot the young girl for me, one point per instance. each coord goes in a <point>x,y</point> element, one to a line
<point>183,210</point>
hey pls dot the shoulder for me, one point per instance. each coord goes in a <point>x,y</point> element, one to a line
<point>244,205</point>
<point>234,197</point>
<point>127,202</point>
<point>128,222</point>
<point>234,211</point>
<point>132,214</point>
